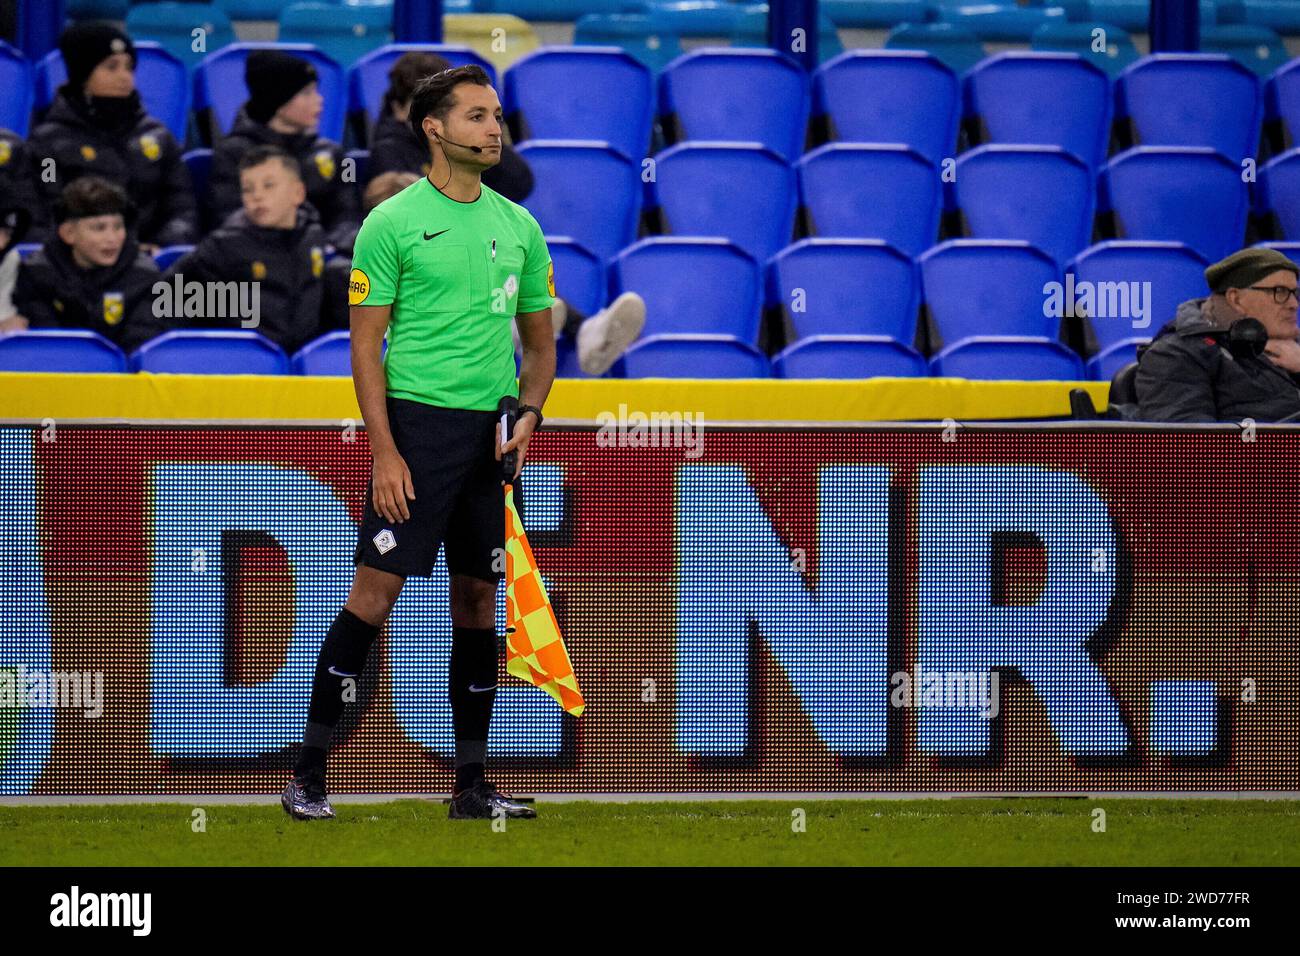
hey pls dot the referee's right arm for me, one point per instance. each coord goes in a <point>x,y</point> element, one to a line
<point>392,479</point>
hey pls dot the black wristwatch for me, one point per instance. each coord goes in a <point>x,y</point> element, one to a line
<point>535,410</point>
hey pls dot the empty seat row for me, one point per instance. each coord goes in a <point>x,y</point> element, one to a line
<point>1043,195</point>
<point>884,96</point>
<point>849,308</point>
<point>195,352</point>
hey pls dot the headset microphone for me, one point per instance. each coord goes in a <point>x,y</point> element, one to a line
<point>475,149</point>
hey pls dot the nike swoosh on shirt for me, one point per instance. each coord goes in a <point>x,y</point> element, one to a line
<point>435,235</point>
<point>480,690</point>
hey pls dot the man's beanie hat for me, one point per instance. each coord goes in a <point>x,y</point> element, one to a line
<point>1245,268</point>
<point>274,78</point>
<point>86,45</point>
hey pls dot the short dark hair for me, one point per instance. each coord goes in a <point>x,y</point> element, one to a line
<point>411,67</point>
<point>432,95</point>
<point>265,154</point>
<point>90,196</point>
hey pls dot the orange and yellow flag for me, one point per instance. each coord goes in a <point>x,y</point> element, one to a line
<point>535,651</point>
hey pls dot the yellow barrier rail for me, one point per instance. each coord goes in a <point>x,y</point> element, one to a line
<point>145,396</point>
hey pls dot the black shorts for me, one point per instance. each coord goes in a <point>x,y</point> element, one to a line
<point>458,496</point>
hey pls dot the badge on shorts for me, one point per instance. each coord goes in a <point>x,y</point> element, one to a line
<point>385,541</point>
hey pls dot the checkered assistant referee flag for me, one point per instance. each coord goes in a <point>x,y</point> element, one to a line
<point>535,651</point>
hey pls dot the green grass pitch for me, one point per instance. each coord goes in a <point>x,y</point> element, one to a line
<point>1031,831</point>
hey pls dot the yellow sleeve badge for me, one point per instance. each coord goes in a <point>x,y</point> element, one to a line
<point>358,287</point>
<point>550,279</point>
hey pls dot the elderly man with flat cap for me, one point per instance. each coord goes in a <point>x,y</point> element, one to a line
<point>1232,355</point>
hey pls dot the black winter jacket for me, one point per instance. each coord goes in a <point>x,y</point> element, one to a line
<point>140,155</point>
<point>18,181</point>
<point>287,264</point>
<point>116,301</point>
<point>1188,375</point>
<point>337,203</point>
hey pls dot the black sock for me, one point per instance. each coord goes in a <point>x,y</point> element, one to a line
<point>467,775</point>
<point>472,685</point>
<point>342,658</point>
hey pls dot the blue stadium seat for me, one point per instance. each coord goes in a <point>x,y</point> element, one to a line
<point>1175,273</point>
<point>956,47</point>
<point>330,354</point>
<point>1191,99</point>
<point>211,352</point>
<point>199,163</point>
<point>96,9</point>
<point>851,308</point>
<point>848,356</point>
<point>999,21</point>
<point>692,286</point>
<point>252,9</point>
<point>1049,99</point>
<point>1279,192</point>
<point>219,88</point>
<point>16,79</point>
<point>1009,358</point>
<point>766,99</point>
<point>1188,194</point>
<point>1290,249</point>
<point>580,280</point>
<point>59,350</point>
<point>368,76</point>
<point>890,96</point>
<point>579,274</point>
<point>164,257</point>
<point>1135,15</point>
<point>751,31</point>
<point>1041,194</point>
<point>161,79</point>
<point>985,299</point>
<point>855,190</point>
<point>558,10</point>
<point>1118,49</point>
<point>874,14</point>
<point>638,34</point>
<point>846,287</point>
<point>1280,15</point>
<point>172,26</point>
<point>586,190</point>
<point>693,356</point>
<point>614,102</point>
<point>696,189</point>
<point>1282,102</point>
<point>344,32</point>
<point>1258,49</point>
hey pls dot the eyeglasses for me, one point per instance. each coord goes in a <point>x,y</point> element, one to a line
<point>1280,292</point>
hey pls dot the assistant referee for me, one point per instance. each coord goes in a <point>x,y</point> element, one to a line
<point>444,266</point>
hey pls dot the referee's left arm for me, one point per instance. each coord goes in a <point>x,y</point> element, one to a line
<point>536,373</point>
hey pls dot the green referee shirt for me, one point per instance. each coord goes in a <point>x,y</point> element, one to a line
<point>455,274</point>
